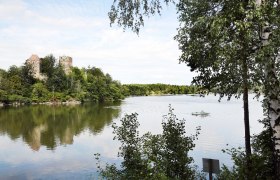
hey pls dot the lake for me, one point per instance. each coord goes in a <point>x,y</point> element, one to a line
<point>59,142</point>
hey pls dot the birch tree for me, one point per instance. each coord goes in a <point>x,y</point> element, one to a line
<point>217,39</point>
<point>130,14</point>
<point>221,40</point>
<point>232,45</point>
<point>268,55</point>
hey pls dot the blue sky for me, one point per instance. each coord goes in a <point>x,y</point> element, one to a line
<point>81,29</point>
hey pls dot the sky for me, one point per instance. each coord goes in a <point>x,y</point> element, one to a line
<point>81,29</point>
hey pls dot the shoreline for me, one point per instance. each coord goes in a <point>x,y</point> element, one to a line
<point>50,103</point>
<point>76,102</point>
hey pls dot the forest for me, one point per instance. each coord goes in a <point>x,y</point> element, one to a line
<point>18,85</point>
<point>158,89</point>
<point>87,84</point>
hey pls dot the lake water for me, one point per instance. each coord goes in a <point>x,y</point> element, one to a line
<point>59,142</point>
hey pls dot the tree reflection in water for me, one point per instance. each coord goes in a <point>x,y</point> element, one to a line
<point>52,126</point>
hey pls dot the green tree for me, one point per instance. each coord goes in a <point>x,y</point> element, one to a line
<point>177,145</point>
<point>47,65</point>
<point>162,156</point>
<point>101,87</point>
<point>238,36</point>
<point>262,158</point>
<point>19,85</point>
<point>95,72</point>
<point>27,79</point>
<point>39,93</point>
<point>216,39</point>
<point>14,84</point>
<point>268,57</point>
<point>58,80</point>
<point>3,85</point>
<point>219,39</point>
<point>244,36</point>
<point>130,14</point>
<point>151,89</point>
<point>115,91</point>
<point>133,165</point>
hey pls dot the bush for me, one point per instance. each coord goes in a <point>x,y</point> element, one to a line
<point>261,158</point>
<point>162,156</point>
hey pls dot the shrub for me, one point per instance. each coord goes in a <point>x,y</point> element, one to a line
<point>162,156</point>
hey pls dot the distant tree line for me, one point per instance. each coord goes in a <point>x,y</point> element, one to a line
<point>18,85</point>
<point>157,89</point>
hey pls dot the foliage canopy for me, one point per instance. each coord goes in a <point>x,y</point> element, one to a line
<point>161,156</point>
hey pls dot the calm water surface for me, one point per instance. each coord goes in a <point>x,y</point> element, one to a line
<point>58,142</point>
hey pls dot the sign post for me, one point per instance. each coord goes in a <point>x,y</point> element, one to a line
<point>211,166</point>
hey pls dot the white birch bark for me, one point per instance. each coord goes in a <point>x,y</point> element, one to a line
<point>272,90</point>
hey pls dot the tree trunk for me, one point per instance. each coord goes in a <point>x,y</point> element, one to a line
<point>246,118</point>
<point>245,83</point>
<point>246,121</point>
<point>272,94</point>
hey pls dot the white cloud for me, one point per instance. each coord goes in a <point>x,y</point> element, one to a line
<point>11,9</point>
<point>58,28</point>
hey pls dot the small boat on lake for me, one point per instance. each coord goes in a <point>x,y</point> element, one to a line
<point>201,113</point>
